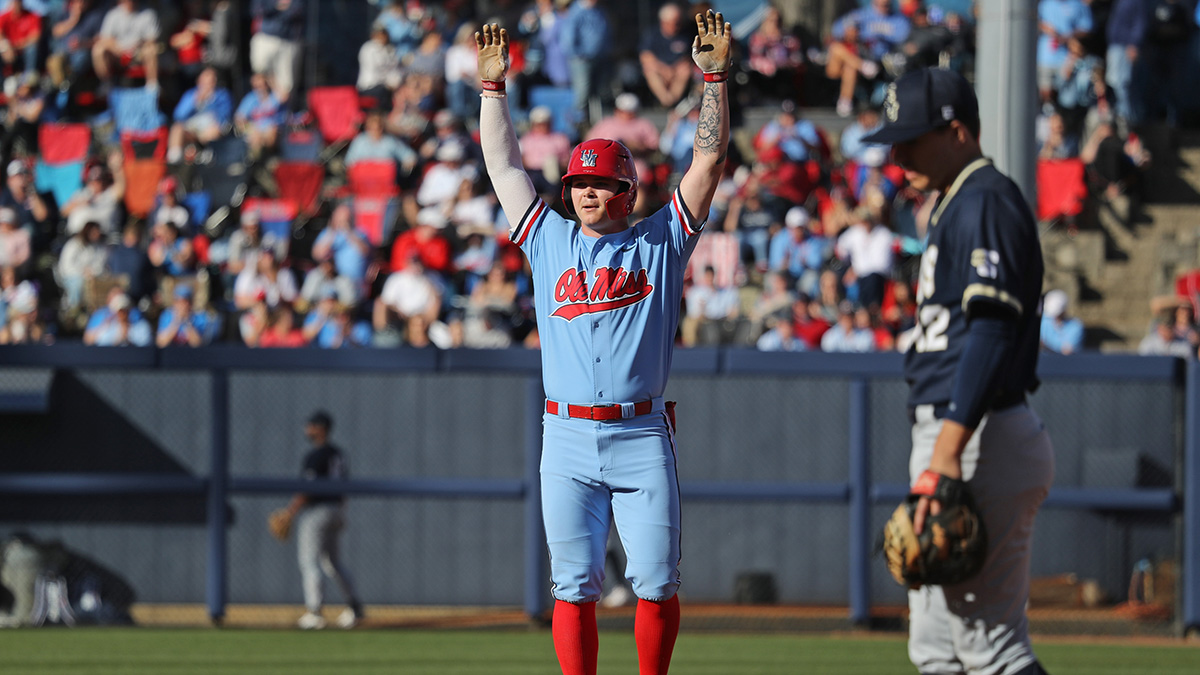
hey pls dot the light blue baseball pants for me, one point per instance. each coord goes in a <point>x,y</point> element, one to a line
<point>624,467</point>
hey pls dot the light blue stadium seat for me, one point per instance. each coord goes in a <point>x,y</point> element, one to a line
<point>136,109</point>
<point>61,180</point>
<point>561,102</point>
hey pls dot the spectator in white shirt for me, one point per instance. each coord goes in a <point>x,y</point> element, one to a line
<point>443,182</point>
<point>408,296</point>
<point>127,32</point>
<point>266,281</point>
<point>83,257</point>
<point>867,245</point>
<point>462,74</point>
<point>378,65</point>
<point>100,199</point>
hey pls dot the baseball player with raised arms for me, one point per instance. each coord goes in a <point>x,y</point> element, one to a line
<point>607,293</point>
<point>972,361</point>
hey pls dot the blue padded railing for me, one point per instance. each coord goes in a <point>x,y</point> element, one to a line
<point>858,491</point>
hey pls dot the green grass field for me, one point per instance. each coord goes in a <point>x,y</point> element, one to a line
<point>105,651</point>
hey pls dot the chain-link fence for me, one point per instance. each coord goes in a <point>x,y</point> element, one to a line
<point>115,463</point>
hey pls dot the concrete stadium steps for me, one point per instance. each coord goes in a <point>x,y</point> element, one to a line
<point>1112,269</point>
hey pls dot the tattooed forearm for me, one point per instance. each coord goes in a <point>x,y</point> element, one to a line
<point>709,139</point>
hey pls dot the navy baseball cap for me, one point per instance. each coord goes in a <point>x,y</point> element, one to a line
<point>321,419</point>
<point>923,100</point>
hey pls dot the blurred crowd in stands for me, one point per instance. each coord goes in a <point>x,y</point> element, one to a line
<point>174,175</point>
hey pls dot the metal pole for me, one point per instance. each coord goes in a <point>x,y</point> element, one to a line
<point>1006,83</point>
<point>218,481</point>
<point>536,572</point>
<point>1191,502</point>
<point>860,502</point>
<point>312,39</point>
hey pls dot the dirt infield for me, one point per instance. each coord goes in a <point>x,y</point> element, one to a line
<point>285,616</point>
<point>1082,624</point>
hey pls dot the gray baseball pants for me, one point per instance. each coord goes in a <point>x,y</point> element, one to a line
<point>317,542</point>
<point>980,626</point>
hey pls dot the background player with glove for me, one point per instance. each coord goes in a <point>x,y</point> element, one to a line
<point>608,294</point>
<point>319,520</point>
<point>974,357</point>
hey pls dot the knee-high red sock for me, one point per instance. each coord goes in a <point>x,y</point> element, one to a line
<point>575,638</point>
<point>655,628</point>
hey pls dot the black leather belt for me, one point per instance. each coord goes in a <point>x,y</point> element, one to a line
<point>1003,402</point>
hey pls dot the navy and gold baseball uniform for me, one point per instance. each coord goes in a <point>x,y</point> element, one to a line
<point>972,361</point>
<point>982,250</point>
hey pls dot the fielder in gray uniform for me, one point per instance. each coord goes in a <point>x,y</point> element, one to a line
<point>319,522</point>
<point>973,358</point>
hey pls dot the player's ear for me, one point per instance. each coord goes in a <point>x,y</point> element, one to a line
<point>961,134</point>
<point>967,132</point>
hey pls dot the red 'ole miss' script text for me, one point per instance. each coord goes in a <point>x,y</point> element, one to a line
<point>612,288</point>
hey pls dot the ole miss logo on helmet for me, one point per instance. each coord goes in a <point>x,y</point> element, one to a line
<point>612,288</point>
<point>588,158</point>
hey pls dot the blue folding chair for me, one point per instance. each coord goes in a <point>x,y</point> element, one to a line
<point>198,205</point>
<point>300,145</point>
<point>224,177</point>
<point>62,180</point>
<point>136,109</point>
<point>229,151</point>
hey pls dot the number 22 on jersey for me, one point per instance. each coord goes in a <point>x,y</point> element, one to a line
<point>932,320</point>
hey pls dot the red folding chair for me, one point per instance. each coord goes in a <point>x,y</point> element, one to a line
<point>1187,285</point>
<point>142,177</point>
<point>338,115</point>
<point>277,215</point>
<point>144,144</point>
<point>62,143</point>
<point>300,183</point>
<point>1061,188</point>
<point>373,217</point>
<point>372,179</point>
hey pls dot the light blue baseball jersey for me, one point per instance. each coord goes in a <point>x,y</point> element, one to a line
<point>607,307</point>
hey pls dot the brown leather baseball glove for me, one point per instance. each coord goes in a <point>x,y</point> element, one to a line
<point>280,524</point>
<point>953,544</point>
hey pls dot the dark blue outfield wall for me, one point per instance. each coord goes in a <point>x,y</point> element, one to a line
<point>162,464</point>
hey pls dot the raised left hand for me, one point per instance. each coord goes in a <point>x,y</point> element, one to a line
<point>712,49</point>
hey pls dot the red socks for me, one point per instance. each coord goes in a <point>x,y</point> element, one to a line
<point>575,638</point>
<point>656,625</point>
<point>655,628</point>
